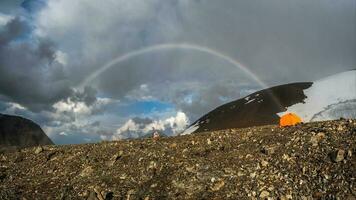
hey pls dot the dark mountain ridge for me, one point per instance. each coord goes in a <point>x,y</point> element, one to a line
<point>17,131</point>
<point>259,108</point>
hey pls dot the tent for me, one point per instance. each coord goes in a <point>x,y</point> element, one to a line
<point>289,119</point>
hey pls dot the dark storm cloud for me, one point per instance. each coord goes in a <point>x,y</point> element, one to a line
<point>280,41</point>
<point>28,73</point>
<point>8,6</point>
<point>12,30</point>
<point>88,96</point>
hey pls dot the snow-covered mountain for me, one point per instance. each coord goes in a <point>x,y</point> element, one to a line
<point>330,98</point>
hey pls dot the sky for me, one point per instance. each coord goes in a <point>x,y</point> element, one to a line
<point>48,48</point>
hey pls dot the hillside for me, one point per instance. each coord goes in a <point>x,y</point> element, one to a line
<point>259,108</point>
<point>19,132</point>
<point>314,160</point>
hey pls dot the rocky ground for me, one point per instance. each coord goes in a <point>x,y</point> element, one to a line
<point>309,161</point>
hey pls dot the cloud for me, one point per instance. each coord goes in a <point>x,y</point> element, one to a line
<point>48,47</point>
<point>9,6</point>
<point>4,19</point>
<point>63,134</point>
<point>139,127</point>
<point>273,39</point>
<point>29,74</point>
<point>81,109</point>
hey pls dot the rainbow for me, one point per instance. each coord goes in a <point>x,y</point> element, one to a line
<point>169,46</point>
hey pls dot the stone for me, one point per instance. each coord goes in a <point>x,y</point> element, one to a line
<point>38,150</point>
<point>268,150</point>
<point>87,171</point>
<point>264,194</point>
<point>349,153</point>
<point>264,163</point>
<point>92,196</point>
<point>115,158</point>
<point>173,145</point>
<point>338,155</point>
<point>340,128</point>
<point>315,140</point>
<point>218,185</point>
<point>98,194</point>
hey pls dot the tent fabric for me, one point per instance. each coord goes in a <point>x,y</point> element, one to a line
<point>289,119</point>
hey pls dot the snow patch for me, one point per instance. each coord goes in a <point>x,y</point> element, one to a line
<point>191,129</point>
<point>249,101</point>
<point>329,91</point>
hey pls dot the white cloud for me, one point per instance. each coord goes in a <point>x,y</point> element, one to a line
<point>13,108</point>
<point>128,126</point>
<point>178,123</point>
<point>61,58</point>
<point>4,19</point>
<point>63,133</point>
<point>80,108</point>
<point>135,128</point>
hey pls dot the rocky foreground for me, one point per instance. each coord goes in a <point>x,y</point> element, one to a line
<point>309,161</point>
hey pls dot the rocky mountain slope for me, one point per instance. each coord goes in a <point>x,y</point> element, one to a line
<point>308,161</point>
<point>330,98</point>
<point>20,132</point>
<point>259,108</point>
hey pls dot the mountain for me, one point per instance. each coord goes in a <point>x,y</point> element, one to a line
<point>20,132</point>
<point>330,98</point>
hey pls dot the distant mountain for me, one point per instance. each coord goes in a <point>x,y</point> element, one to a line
<point>20,132</point>
<point>326,99</point>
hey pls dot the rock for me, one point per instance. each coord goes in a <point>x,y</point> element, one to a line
<point>38,150</point>
<point>286,197</point>
<point>264,194</point>
<point>92,196</point>
<point>98,194</point>
<point>315,140</point>
<point>268,150</point>
<point>87,171</point>
<point>349,153</point>
<point>50,156</point>
<point>129,193</point>
<point>173,145</point>
<point>218,185</point>
<point>109,195</point>
<point>239,173</point>
<point>253,175</point>
<point>115,158</point>
<point>337,156</point>
<point>264,163</point>
<point>340,128</point>
<point>317,195</point>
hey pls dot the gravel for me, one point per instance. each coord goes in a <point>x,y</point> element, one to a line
<point>307,161</point>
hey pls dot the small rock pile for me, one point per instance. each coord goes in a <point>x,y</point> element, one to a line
<point>307,161</point>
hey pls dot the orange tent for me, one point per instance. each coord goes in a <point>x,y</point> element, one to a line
<point>289,119</point>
